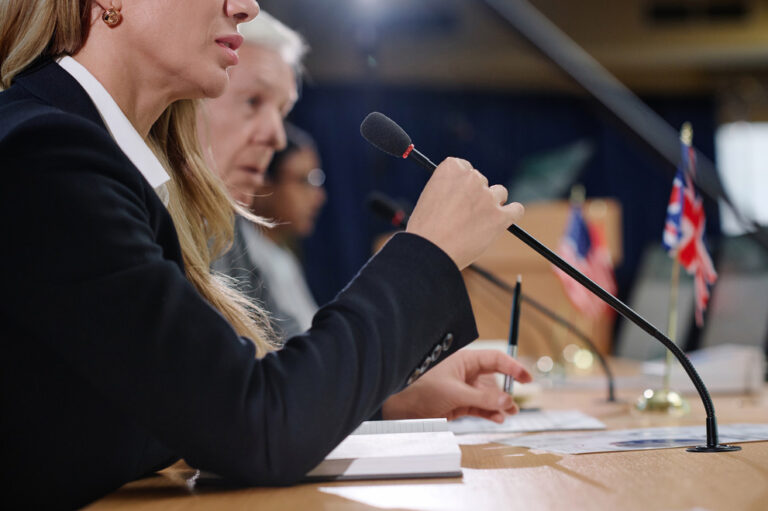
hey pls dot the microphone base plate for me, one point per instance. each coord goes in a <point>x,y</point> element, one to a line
<point>715,448</point>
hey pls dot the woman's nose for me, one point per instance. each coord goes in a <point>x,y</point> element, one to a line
<point>242,10</point>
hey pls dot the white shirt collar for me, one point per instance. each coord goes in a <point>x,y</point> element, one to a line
<point>118,125</point>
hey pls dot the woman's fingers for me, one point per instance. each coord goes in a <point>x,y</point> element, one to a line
<point>500,194</point>
<point>478,362</point>
<point>515,210</point>
<point>491,400</point>
<point>483,180</point>
<point>460,213</point>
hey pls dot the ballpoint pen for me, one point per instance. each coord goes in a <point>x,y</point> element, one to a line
<point>514,327</point>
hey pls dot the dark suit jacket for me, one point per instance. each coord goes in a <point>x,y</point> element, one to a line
<point>113,365</point>
<point>237,264</point>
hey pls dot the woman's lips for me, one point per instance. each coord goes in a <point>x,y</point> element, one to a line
<point>230,44</point>
<point>232,58</point>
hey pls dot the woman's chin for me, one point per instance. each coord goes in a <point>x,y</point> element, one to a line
<point>215,86</point>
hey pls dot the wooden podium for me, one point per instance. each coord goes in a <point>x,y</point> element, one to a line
<point>508,257</point>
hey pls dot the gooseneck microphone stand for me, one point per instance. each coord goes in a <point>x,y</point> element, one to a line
<point>386,135</point>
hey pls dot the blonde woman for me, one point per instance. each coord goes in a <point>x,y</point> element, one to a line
<point>121,353</point>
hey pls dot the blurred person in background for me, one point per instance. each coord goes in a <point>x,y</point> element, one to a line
<point>240,132</point>
<point>292,196</point>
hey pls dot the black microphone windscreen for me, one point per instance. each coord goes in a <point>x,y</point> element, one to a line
<point>382,205</point>
<point>384,133</point>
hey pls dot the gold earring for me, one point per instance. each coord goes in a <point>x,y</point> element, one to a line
<point>111,17</point>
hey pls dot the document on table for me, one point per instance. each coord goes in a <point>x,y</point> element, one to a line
<point>638,439</point>
<point>525,422</point>
<point>393,450</point>
<point>401,426</point>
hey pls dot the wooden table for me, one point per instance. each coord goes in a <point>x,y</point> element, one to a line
<point>497,476</point>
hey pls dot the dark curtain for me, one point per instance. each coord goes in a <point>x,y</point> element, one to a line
<point>494,131</point>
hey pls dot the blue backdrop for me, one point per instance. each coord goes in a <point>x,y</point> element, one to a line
<point>495,131</point>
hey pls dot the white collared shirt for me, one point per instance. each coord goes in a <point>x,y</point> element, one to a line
<point>282,275</point>
<point>121,129</point>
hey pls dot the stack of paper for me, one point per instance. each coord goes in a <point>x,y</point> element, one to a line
<point>393,449</point>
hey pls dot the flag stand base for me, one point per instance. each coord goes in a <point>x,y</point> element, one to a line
<point>662,401</point>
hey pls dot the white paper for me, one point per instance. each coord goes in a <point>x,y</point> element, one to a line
<point>638,439</point>
<point>524,422</point>
<point>401,426</point>
<point>392,455</point>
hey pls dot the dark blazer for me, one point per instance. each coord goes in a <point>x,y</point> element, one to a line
<point>113,365</point>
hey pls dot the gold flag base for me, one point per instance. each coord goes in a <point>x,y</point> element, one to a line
<point>662,401</point>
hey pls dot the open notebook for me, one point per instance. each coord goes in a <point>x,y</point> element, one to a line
<point>393,450</point>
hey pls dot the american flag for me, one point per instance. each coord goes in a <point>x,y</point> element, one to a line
<point>683,236</point>
<point>584,247</point>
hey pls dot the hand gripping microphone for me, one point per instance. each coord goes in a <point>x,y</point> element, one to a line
<point>384,134</point>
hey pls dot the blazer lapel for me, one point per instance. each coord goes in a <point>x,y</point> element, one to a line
<point>52,84</point>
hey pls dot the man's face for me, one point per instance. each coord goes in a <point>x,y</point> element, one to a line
<point>243,128</point>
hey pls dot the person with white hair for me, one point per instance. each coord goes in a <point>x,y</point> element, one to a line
<point>242,130</point>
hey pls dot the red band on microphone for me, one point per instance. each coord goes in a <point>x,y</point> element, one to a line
<point>399,215</point>
<point>408,151</point>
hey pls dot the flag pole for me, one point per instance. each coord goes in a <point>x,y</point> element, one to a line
<point>672,321</point>
<point>667,400</point>
<point>577,198</point>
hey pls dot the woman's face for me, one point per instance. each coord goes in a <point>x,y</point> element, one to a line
<point>189,43</point>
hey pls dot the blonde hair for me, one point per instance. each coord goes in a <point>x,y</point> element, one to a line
<point>201,209</point>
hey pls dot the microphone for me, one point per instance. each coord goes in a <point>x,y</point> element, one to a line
<point>384,134</point>
<point>391,212</point>
<point>388,209</point>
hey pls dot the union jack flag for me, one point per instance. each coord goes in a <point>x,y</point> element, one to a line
<point>584,247</point>
<point>683,236</point>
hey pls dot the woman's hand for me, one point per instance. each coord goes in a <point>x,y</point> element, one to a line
<point>460,213</point>
<point>462,384</point>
